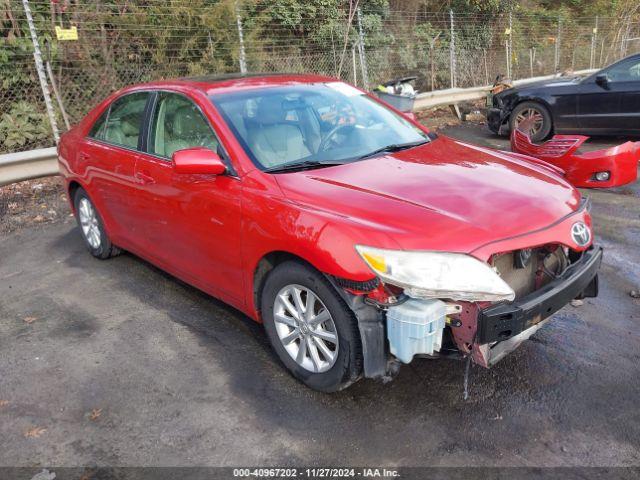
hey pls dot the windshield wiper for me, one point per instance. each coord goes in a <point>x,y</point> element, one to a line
<point>394,147</point>
<point>306,164</point>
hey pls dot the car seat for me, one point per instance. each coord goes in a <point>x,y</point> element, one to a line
<point>189,130</point>
<point>273,140</point>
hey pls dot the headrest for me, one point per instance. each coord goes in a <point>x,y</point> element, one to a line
<point>270,111</point>
<point>187,121</point>
<point>130,126</point>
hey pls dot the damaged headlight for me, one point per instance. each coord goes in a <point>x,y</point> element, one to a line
<point>424,274</point>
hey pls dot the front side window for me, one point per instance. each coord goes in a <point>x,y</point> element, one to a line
<point>628,71</point>
<point>123,121</point>
<point>324,122</point>
<point>178,124</point>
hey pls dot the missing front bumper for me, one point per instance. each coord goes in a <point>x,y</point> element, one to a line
<point>511,323</point>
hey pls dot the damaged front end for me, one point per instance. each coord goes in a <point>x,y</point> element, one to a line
<point>561,275</point>
<point>484,310</point>
<point>610,167</point>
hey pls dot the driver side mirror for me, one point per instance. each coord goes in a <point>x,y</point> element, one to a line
<point>602,80</point>
<point>198,160</point>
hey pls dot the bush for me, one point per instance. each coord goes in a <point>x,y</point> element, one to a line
<point>22,125</point>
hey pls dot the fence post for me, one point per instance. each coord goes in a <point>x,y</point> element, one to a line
<point>486,68</point>
<point>623,42</point>
<point>243,58</point>
<point>37,56</point>
<point>353,56</point>
<point>594,40</point>
<point>510,47</point>
<point>557,52</point>
<point>452,51</point>
<point>532,56</point>
<point>333,50</point>
<point>363,56</point>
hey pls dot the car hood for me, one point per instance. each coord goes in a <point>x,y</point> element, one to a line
<point>445,195</point>
<point>550,83</point>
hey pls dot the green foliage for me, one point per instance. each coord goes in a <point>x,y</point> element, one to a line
<point>123,42</point>
<point>22,125</point>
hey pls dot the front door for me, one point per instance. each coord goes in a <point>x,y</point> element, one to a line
<point>612,107</point>
<point>598,106</point>
<point>191,222</point>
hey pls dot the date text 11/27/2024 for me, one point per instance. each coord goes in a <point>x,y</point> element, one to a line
<point>315,472</point>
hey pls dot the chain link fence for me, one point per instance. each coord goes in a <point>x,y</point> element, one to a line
<point>119,44</point>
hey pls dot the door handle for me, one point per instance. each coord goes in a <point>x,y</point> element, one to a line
<point>144,178</point>
<point>84,156</point>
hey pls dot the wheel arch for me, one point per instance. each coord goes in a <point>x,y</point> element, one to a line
<point>72,188</point>
<point>264,266</point>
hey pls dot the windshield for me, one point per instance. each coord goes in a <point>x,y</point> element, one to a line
<point>312,124</point>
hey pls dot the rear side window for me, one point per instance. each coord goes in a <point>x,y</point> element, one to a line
<point>123,123</point>
<point>97,131</point>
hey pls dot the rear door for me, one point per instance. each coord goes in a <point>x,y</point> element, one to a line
<point>109,154</point>
<point>191,223</point>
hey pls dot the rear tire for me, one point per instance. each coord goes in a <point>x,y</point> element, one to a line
<point>525,110</point>
<point>92,228</point>
<point>332,357</point>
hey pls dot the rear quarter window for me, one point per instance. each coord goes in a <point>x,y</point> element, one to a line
<point>97,131</point>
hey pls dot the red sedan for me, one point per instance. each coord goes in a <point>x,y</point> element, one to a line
<point>360,239</point>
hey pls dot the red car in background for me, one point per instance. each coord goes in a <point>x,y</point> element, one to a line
<point>360,239</point>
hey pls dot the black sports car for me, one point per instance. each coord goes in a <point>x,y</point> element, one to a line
<point>604,103</point>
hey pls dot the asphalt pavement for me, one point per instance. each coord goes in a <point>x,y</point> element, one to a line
<point>117,363</point>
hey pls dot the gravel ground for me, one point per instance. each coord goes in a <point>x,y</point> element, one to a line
<point>117,363</point>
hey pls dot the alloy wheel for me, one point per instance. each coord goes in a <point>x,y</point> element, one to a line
<point>89,223</point>
<point>306,329</point>
<point>536,123</point>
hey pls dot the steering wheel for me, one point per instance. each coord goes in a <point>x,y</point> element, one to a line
<point>324,144</point>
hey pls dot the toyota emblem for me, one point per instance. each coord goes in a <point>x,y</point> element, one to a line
<point>580,234</point>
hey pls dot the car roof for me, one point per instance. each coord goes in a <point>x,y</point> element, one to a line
<point>212,84</point>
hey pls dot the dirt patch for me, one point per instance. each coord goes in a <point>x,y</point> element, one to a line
<point>443,117</point>
<point>32,202</point>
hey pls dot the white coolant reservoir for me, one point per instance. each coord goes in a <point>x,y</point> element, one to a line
<point>415,327</point>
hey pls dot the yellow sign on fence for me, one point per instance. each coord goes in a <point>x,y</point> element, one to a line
<point>67,33</point>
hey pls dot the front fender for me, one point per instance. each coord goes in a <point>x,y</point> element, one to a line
<point>324,239</point>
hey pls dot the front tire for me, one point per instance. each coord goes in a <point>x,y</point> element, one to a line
<point>92,228</point>
<point>542,119</point>
<point>311,329</point>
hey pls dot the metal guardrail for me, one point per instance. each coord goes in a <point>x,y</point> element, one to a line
<point>16,167</point>
<point>452,96</point>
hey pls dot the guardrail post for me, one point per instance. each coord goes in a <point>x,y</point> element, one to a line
<point>37,56</point>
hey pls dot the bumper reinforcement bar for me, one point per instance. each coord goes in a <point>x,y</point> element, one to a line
<point>504,321</point>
